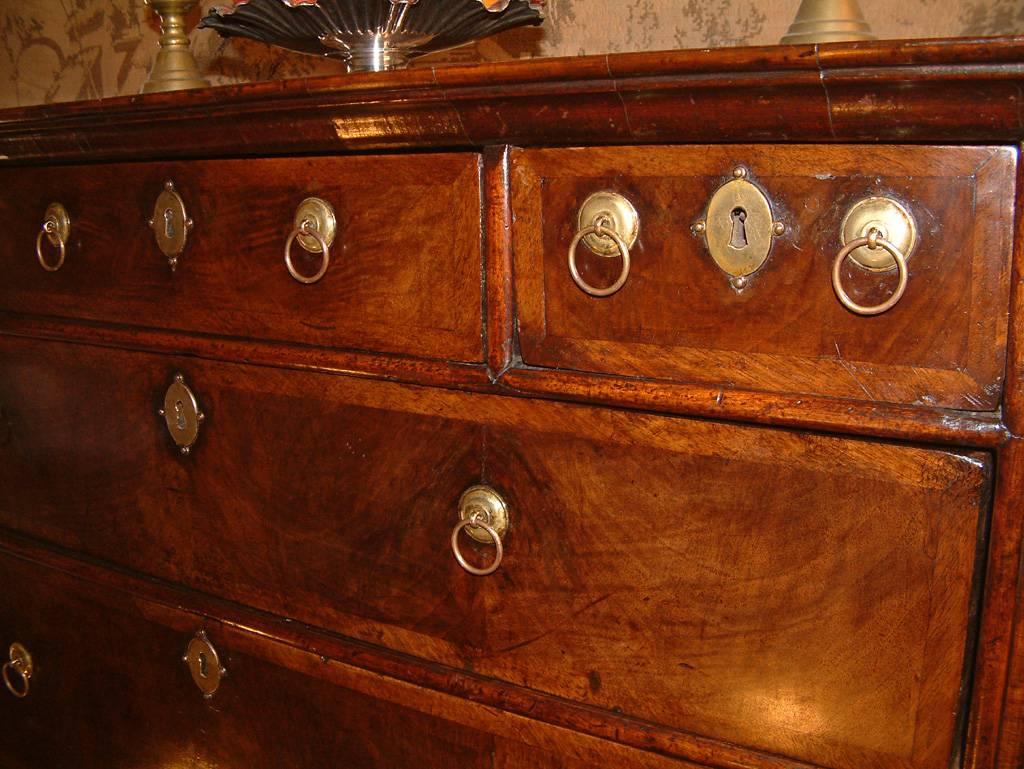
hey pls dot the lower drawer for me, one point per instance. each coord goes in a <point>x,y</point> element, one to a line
<point>798,595</point>
<point>109,690</point>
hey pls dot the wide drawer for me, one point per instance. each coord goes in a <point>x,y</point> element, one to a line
<point>110,689</point>
<point>796,594</point>
<point>404,274</point>
<point>782,328</point>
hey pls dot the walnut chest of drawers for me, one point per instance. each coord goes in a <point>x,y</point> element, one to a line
<point>654,410</point>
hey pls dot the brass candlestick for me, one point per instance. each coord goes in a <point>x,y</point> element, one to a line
<point>175,67</point>
<point>828,21</point>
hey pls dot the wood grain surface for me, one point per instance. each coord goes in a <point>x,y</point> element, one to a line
<point>835,583</point>
<point>678,318</point>
<point>110,691</point>
<point>803,595</point>
<point>556,729</point>
<point>404,277</point>
<point>896,91</point>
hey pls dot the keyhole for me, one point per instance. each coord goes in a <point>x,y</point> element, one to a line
<point>179,415</point>
<point>168,223</point>
<point>739,229</point>
<point>202,665</point>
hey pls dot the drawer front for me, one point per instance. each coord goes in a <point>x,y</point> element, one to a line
<point>404,273</point>
<point>801,595</point>
<point>110,690</point>
<point>679,318</point>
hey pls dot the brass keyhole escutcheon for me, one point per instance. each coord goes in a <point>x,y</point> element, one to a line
<point>739,227</point>
<point>204,664</point>
<point>181,414</point>
<point>170,224</point>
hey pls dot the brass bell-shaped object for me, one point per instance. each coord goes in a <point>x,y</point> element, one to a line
<point>828,21</point>
<point>174,67</point>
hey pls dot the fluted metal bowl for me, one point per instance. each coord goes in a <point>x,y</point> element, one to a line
<point>370,34</point>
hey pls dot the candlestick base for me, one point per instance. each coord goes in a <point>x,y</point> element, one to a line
<point>174,67</point>
<point>828,21</point>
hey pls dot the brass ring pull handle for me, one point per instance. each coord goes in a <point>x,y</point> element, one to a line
<point>57,228</point>
<point>308,227</point>
<point>17,671</point>
<point>478,519</point>
<point>873,240</point>
<point>608,225</point>
<point>50,230</point>
<point>483,515</point>
<point>314,229</point>
<point>600,228</point>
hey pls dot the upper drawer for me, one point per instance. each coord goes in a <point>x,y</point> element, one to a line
<point>404,273</point>
<point>801,595</point>
<point>679,317</point>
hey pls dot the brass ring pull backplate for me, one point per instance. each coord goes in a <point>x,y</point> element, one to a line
<point>171,224</point>
<point>314,228</point>
<point>57,229</point>
<point>17,671</point>
<point>181,414</point>
<point>608,225</point>
<point>878,234</point>
<point>204,664</point>
<point>483,515</point>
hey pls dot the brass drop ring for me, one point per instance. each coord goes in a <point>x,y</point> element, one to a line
<point>18,669</point>
<point>477,520</point>
<point>51,230</point>
<point>18,690</point>
<point>599,229</point>
<point>308,227</point>
<point>873,240</point>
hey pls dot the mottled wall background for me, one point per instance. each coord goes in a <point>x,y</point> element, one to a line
<point>60,50</point>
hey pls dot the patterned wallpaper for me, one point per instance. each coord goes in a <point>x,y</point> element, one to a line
<point>61,50</point>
